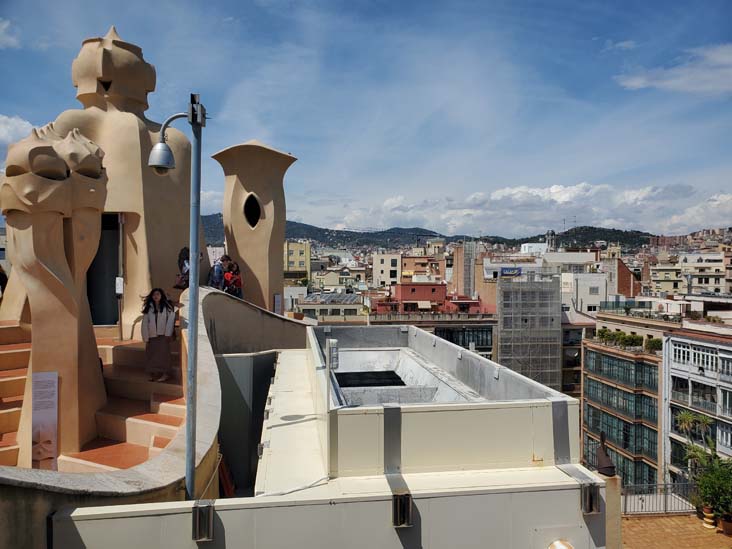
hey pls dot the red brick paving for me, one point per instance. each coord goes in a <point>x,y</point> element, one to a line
<point>669,531</point>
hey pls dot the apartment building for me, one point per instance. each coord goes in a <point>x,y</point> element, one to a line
<point>585,292</point>
<point>622,389</point>
<point>699,380</point>
<point>465,255</point>
<point>386,269</point>
<point>416,268</point>
<point>572,262</point>
<point>338,279</point>
<point>707,273</point>
<point>296,260</point>
<point>333,308</point>
<point>620,397</point>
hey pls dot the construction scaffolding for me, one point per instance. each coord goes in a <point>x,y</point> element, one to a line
<point>469,254</point>
<point>529,339</point>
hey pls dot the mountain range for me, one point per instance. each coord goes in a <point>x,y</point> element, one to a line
<point>397,237</point>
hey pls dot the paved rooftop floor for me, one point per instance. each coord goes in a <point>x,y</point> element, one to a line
<point>665,532</point>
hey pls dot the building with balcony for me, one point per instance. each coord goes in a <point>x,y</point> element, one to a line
<point>698,379</point>
<point>622,387</point>
<point>457,319</point>
<point>422,268</point>
<point>620,397</point>
<point>706,271</point>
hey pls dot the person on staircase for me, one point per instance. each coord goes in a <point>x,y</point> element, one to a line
<point>158,326</point>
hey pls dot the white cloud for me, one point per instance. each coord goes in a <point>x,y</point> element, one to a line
<point>559,194</point>
<point>524,210</point>
<point>211,202</point>
<point>706,70</point>
<point>13,128</point>
<point>8,38</point>
<point>715,211</point>
<point>623,45</point>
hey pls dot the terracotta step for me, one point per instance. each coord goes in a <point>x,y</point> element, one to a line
<point>131,382</point>
<point>13,332</point>
<point>167,404</point>
<point>134,354</point>
<point>12,382</point>
<point>8,449</point>
<point>103,455</point>
<point>157,445</point>
<point>131,421</point>
<point>10,413</point>
<point>14,355</point>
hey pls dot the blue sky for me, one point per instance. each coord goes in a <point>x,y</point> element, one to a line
<point>492,117</point>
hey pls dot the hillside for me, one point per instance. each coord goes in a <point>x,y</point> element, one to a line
<point>396,237</point>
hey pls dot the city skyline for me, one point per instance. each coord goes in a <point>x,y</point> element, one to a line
<point>499,119</point>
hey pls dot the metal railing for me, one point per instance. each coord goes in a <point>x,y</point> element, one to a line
<point>702,404</point>
<point>428,317</point>
<point>657,499</point>
<point>623,305</point>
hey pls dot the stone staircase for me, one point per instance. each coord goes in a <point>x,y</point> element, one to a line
<point>140,418</point>
<point>14,357</point>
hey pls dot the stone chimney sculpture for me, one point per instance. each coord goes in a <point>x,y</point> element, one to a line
<point>52,198</point>
<point>113,80</point>
<point>54,194</point>
<point>254,217</point>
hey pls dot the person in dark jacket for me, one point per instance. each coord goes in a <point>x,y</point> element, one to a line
<point>216,276</point>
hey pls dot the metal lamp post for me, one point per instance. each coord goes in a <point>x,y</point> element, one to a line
<point>161,160</point>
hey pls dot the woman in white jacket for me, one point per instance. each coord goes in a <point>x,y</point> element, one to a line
<point>158,323</point>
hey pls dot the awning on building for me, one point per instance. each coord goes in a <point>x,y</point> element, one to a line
<point>424,305</point>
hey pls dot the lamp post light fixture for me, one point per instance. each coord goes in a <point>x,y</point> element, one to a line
<point>162,160</point>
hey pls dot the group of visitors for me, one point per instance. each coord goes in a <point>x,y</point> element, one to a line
<point>225,275</point>
<point>158,312</point>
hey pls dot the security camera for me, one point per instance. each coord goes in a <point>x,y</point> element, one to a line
<point>161,170</point>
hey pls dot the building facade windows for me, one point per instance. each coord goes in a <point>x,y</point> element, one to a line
<point>632,405</point>
<point>630,471</point>
<point>724,437</point>
<point>627,372</point>
<point>727,403</point>
<point>634,438</point>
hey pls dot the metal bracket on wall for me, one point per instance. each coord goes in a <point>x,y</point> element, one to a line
<point>202,516</point>
<point>401,510</point>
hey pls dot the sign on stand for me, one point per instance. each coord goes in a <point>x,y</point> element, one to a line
<point>44,420</point>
